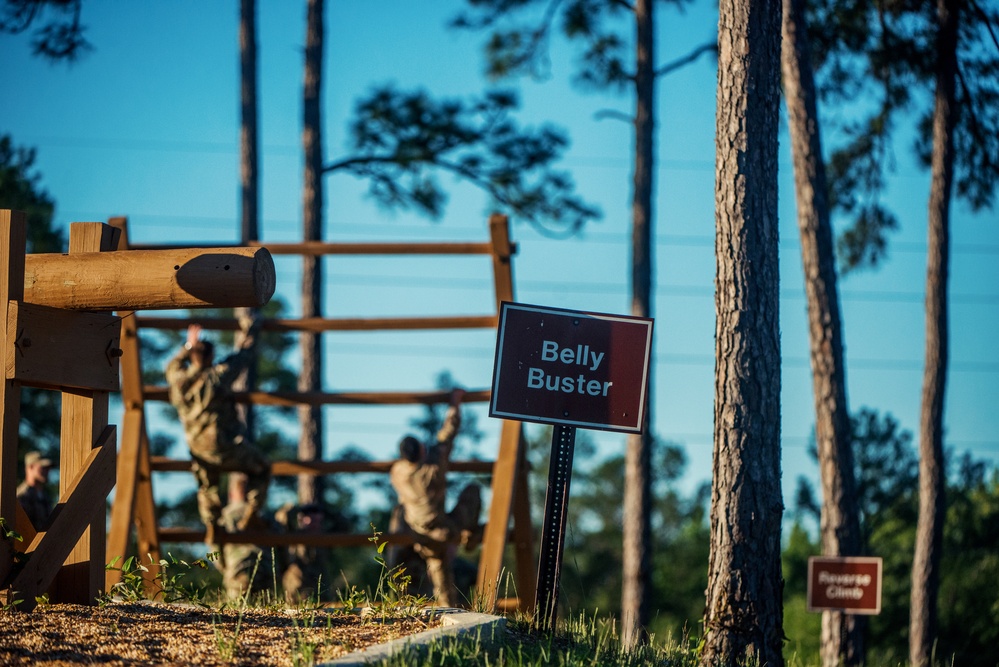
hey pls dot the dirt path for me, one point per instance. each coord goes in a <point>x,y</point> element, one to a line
<point>144,634</point>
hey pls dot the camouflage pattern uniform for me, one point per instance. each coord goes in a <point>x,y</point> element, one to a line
<point>215,433</point>
<point>240,560</point>
<point>37,504</point>
<point>304,570</point>
<point>422,489</point>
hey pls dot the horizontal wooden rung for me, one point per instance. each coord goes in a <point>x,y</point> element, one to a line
<point>318,324</point>
<point>268,539</point>
<point>294,398</point>
<point>395,248</point>
<point>327,248</point>
<point>279,468</point>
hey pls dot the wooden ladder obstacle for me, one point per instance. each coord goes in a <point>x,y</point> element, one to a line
<point>134,496</point>
<point>54,340</point>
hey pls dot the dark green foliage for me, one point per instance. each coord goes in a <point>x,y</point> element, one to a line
<point>801,627</point>
<point>877,60</point>
<point>976,134</point>
<point>969,614</point>
<point>21,190</point>
<point>60,35</point>
<point>887,484</point>
<point>520,34</point>
<point>401,140</point>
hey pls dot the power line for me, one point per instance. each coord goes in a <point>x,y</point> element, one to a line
<point>376,350</point>
<point>199,223</point>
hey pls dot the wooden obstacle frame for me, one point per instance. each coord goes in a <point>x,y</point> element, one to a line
<point>54,339</point>
<point>134,506</point>
<point>74,353</point>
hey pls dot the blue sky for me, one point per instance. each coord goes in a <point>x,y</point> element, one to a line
<point>147,124</point>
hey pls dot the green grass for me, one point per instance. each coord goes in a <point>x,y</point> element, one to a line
<point>576,642</point>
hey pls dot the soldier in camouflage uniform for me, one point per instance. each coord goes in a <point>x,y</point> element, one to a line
<point>419,479</point>
<point>245,567</point>
<point>201,391</point>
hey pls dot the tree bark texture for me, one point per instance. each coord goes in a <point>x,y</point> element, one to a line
<point>636,576</point>
<point>842,634</point>
<point>248,162</point>
<point>249,174</point>
<point>932,475</point>
<point>743,614</point>
<point>310,443</point>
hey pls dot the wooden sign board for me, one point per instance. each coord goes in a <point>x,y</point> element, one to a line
<point>851,584</point>
<point>574,368</point>
<point>53,348</point>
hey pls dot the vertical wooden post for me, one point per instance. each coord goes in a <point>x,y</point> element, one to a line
<point>12,248</point>
<point>84,418</point>
<point>133,500</point>
<point>509,487</point>
<point>503,250</point>
<point>495,537</point>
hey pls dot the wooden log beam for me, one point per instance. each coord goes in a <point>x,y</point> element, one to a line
<point>151,279</point>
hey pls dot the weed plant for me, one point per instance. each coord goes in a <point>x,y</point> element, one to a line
<point>175,582</point>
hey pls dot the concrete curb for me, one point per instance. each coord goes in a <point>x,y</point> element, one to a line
<point>454,623</point>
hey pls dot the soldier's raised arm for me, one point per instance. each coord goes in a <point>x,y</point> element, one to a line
<point>244,355</point>
<point>452,422</point>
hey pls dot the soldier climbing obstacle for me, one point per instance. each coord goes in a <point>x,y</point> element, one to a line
<point>201,391</point>
<point>419,479</point>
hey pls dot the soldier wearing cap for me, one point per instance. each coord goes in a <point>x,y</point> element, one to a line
<point>419,479</point>
<point>33,493</point>
<point>201,391</point>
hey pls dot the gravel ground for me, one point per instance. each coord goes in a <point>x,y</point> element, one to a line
<point>153,634</point>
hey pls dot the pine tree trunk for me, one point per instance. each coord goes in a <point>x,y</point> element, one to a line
<point>248,162</point>
<point>932,477</point>
<point>743,613</point>
<point>637,488</point>
<point>842,634</point>
<point>310,443</point>
<point>248,168</point>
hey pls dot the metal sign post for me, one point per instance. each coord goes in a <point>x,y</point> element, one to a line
<point>569,369</point>
<point>553,532</point>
